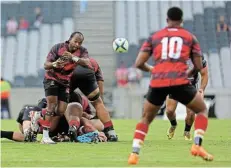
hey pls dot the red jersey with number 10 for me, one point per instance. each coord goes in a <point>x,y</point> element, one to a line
<point>171,48</point>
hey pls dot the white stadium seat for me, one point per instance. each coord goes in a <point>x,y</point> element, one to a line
<point>226,66</point>
<point>45,46</point>
<point>120,19</point>
<point>22,46</point>
<point>9,61</point>
<point>143,19</point>
<point>154,15</point>
<point>215,70</point>
<point>68,27</point>
<point>32,53</point>
<point>187,9</point>
<point>132,22</point>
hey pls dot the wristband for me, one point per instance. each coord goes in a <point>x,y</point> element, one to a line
<point>75,59</point>
<point>54,64</point>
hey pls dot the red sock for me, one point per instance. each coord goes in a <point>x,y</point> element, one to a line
<point>44,123</point>
<point>44,112</point>
<point>141,131</point>
<point>108,124</point>
<point>200,127</point>
<point>74,123</point>
<point>201,122</point>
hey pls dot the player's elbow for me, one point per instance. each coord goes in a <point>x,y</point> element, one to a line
<point>138,64</point>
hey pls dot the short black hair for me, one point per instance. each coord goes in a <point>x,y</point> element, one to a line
<point>74,33</point>
<point>175,14</point>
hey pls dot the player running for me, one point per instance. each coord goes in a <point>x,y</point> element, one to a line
<point>91,84</point>
<point>60,63</point>
<point>171,48</point>
<point>171,104</point>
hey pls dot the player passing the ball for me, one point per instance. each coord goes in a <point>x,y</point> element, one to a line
<point>61,61</point>
<point>171,48</point>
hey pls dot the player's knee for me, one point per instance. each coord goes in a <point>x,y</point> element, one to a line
<point>93,97</point>
<point>74,108</point>
<point>51,107</point>
<point>170,111</point>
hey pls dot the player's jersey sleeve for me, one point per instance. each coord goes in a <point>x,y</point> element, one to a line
<point>147,46</point>
<point>53,54</point>
<point>196,49</point>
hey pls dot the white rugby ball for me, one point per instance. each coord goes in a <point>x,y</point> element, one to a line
<point>120,45</point>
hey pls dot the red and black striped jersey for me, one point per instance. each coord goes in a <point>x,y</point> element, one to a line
<point>62,75</point>
<point>171,48</point>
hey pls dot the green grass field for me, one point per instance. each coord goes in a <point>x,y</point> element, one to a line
<point>157,150</point>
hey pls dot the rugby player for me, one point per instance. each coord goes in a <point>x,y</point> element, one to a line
<point>60,63</point>
<point>171,48</point>
<point>91,84</point>
<point>171,104</point>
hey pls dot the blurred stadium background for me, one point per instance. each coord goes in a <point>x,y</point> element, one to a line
<point>23,50</point>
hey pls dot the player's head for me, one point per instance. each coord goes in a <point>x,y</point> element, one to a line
<point>175,15</point>
<point>75,41</point>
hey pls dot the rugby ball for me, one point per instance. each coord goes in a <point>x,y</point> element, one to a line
<point>120,45</point>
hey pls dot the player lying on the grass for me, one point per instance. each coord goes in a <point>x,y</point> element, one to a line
<point>73,120</point>
<point>171,104</point>
<point>26,113</point>
<point>24,123</point>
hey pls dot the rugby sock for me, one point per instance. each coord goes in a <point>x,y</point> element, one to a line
<point>46,126</point>
<point>46,133</point>
<point>173,123</point>
<point>7,134</point>
<point>200,126</point>
<point>44,123</point>
<point>74,123</point>
<point>187,127</point>
<point>139,136</point>
<point>108,128</point>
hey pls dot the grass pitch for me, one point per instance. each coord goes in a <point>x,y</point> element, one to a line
<point>157,149</point>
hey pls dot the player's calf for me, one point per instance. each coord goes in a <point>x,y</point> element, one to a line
<point>201,122</point>
<point>104,116</point>
<point>73,114</point>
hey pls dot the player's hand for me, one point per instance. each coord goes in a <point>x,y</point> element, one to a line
<point>102,137</point>
<point>151,69</point>
<point>59,63</point>
<point>67,55</point>
<point>201,91</point>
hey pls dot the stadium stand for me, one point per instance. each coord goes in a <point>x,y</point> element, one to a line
<point>27,50</point>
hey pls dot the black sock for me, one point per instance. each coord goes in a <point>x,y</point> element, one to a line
<point>108,129</point>
<point>198,141</point>
<point>173,123</point>
<point>187,127</point>
<point>7,134</point>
